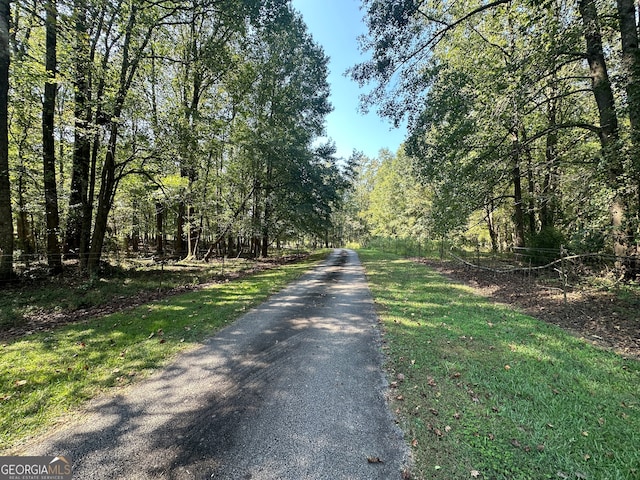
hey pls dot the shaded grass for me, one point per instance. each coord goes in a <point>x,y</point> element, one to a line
<point>45,295</point>
<point>492,393</point>
<point>44,377</point>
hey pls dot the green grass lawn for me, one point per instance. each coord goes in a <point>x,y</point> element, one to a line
<point>73,291</point>
<point>45,376</point>
<point>487,392</point>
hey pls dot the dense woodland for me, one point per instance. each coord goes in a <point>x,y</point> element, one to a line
<point>194,127</point>
<point>523,123</point>
<point>189,126</point>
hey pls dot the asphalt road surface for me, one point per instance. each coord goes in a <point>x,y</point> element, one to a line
<point>292,390</point>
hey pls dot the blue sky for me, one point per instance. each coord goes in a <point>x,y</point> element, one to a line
<point>335,25</point>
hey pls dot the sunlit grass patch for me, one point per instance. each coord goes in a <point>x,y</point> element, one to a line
<point>488,390</point>
<point>45,376</point>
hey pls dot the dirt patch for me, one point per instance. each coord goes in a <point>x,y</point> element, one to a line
<point>600,317</point>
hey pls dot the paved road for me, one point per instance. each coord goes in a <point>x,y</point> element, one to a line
<point>292,390</point>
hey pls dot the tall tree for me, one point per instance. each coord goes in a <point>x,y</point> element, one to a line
<point>6,218</point>
<point>610,135</point>
<point>79,212</point>
<point>540,82</point>
<point>54,257</point>
<point>140,22</point>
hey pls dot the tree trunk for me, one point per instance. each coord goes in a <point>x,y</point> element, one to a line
<point>609,137</point>
<point>135,227</point>
<point>493,234</point>
<point>54,257</point>
<point>6,217</point>
<point>516,177</point>
<point>23,226</point>
<point>531,189</point>
<point>179,245</point>
<point>78,196</point>
<point>631,69</point>
<point>549,201</point>
<point>105,200</point>
<point>109,182</point>
<point>264,252</point>
<point>159,229</point>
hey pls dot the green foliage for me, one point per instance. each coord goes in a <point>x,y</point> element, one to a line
<point>500,118</point>
<point>545,245</point>
<point>548,237</point>
<point>213,113</point>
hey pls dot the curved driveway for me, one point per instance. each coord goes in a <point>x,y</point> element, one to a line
<point>292,390</point>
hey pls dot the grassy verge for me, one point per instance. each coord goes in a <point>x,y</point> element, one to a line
<point>44,295</point>
<point>486,392</point>
<point>45,376</point>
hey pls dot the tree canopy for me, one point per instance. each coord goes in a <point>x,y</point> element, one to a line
<point>187,126</point>
<point>512,110</point>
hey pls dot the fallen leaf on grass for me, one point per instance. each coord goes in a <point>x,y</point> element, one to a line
<point>20,383</point>
<point>414,442</point>
<point>475,473</point>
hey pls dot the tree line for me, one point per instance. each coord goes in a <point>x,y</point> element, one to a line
<point>197,120</point>
<point>522,114</point>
